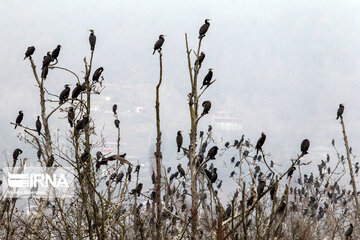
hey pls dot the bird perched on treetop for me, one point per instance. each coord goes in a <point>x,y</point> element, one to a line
<point>97,74</point>
<point>260,142</point>
<point>305,146</point>
<point>46,60</point>
<point>159,43</point>
<point>200,59</point>
<point>55,53</point>
<point>212,152</point>
<point>38,125</point>
<point>92,40</point>
<point>340,111</point>
<point>179,140</point>
<point>71,116</point>
<point>29,52</point>
<point>204,28</point>
<point>64,94</point>
<point>207,79</point>
<point>114,108</point>
<point>82,123</point>
<point>206,105</point>
<point>19,118</point>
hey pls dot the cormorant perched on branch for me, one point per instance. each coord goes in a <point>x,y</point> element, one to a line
<point>212,152</point>
<point>260,142</point>
<point>44,72</point>
<point>16,154</point>
<point>46,60</point>
<point>55,53</point>
<point>82,123</point>
<point>71,116</point>
<point>76,91</point>
<point>204,28</point>
<point>159,43</point>
<point>305,146</point>
<point>207,79</point>
<point>290,173</point>
<point>29,52</point>
<point>19,119</point>
<point>64,94</point>
<point>179,140</point>
<point>340,111</point>
<point>97,74</point>
<point>92,40</point>
<point>181,171</point>
<point>114,108</point>
<point>200,59</point>
<point>206,105</point>
<point>349,231</point>
<point>38,125</point>
<point>117,123</point>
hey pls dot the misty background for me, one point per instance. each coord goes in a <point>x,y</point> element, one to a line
<point>282,67</point>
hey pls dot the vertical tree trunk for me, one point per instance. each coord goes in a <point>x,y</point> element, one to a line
<point>158,157</point>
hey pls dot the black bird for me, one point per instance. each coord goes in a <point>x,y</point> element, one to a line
<point>71,116</point>
<point>159,43</point>
<point>212,152</point>
<point>19,118</point>
<point>181,171</point>
<point>64,94</point>
<point>38,125</point>
<point>305,146</point>
<point>46,60</point>
<point>29,52</point>
<point>179,140</point>
<point>261,186</point>
<point>76,91</point>
<point>290,173</point>
<point>207,106</point>
<point>84,156</point>
<point>16,154</point>
<point>204,28</point>
<point>153,177</point>
<point>97,74</point>
<point>349,231</point>
<point>214,176</point>
<point>137,189</point>
<point>137,169</point>
<point>260,142</point>
<point>119,177</point>
<point>82,123</point>
<point>44,72</point>
<point>114,109</point>
<point>117,123</point>
<point>340,111</point>
<point>200,59</point>
<point>92,40</point>
<point>38,154</point>
<point>207,79</point>
<point>55,53</point>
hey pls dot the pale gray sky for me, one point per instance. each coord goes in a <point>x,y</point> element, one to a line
<point>282,67</point>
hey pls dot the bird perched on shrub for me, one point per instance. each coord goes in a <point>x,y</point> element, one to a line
<point>46,60</point>
<point>64,94</point>
<point>200,59</point>
<point>207,106</point>
<point>71,116</point>
<point>55,53</point>
<point>212,152</point>
<point>97,74</point>
<point>207,79</point>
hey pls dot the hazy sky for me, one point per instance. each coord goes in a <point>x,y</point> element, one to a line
<point>281,66</point>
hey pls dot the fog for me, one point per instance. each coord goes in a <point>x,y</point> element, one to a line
<point>282,67</point>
